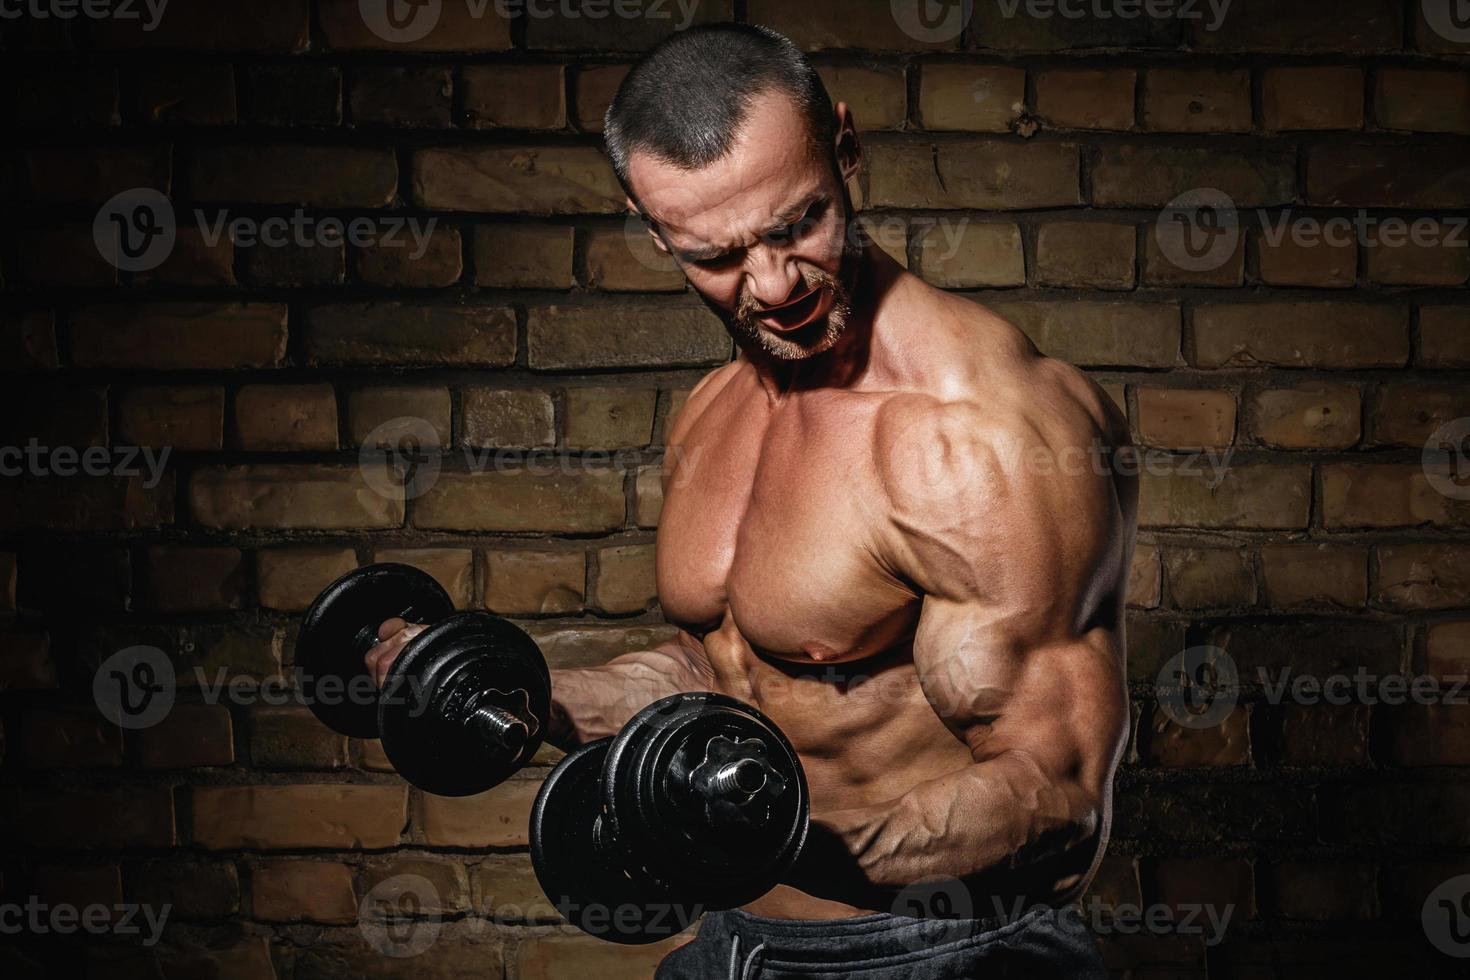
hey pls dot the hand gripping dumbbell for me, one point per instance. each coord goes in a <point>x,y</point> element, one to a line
<point>462,707</point>
<point>699,802</point>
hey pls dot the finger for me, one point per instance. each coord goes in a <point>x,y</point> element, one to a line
<point>391,626</point>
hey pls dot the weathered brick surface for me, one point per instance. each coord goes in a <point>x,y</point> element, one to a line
<point>1325,335</point>
<point>1328,97</point>
<point>370,408</point>
<point>192,736</point>
<point>1386,495</point>
<point>1184,418</point>
<point>496,818</point>
<point>286,417</point>
<point>1387,176</point>
<point>876,96</point>
<point>984,99</point>
<point>455,27</point>
<point>983,175</point>
<point>303,891</point>
<point>1197,100</point>
<point>321,176</point>
<point>1086,254</point>
<point>1310,415</point>
<point>1149,175</point>
<point>1096,334</point>
<point>583,337</point>
<point>561,180</point>
<point>286,496</point>
<point>582,499</point>
<point>419,97</point>
<point>523,256</point>
<point>191,579</point>
<point>1297,574</point>
<point>981,255</point>
<point>317,815</point>
<point>163,336</point>
<point>606,418</point>
<point>1423,101</point>
<point>512,418</point>
<point>1086,98</point>
<point>290,578</point>
<point>515,96</point>
<point>1248,496</point>
<point>394,333</point>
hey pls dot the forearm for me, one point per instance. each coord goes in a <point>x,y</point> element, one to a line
<point>1003,827</point>
<point>594,702</point>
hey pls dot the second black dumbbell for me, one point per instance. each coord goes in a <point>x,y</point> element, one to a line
<point>463,706</point>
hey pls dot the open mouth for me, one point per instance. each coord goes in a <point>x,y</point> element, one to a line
<point>795,314</point>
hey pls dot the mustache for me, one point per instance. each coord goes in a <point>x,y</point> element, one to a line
<point>748,308</point>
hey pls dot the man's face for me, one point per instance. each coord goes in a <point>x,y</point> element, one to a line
<point>761,234</point>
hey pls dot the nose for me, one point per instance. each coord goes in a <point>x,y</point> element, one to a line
<point>773,281</point>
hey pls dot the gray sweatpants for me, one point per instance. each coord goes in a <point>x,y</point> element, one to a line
<point>1041,944</point>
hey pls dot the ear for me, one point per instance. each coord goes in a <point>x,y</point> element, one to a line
<point>636,212</point>
<point>849,147</point>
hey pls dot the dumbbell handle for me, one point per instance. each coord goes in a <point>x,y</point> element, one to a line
<point>499,729</point>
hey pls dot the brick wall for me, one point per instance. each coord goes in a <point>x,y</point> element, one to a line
<point>1050,166</point>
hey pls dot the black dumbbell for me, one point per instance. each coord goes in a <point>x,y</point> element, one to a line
<point>699,802</point>
<point>462,707</point>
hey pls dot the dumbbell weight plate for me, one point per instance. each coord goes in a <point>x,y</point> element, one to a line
<point>724,854</point>
<point>466,662</point>
<point>578,875</point>
<point>341,626</point>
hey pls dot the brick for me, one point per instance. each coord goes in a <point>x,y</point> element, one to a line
<point>398,333</point>
<point>370,408</point>
<point>1145,578</point>
<point>877,96</point>
<point>609,418</point>
<point>625,259</point>
<point>1421,576</point>
<point>1431,734</point>
<point>559,499</point>
<point>448,879</point>
<point>1213,883</point>
<point>188,95</point>
<point>191,736</point>
<point>497,818</point>
<point>293,95</point>
<point>978,98</point>
<point>599,336</point>
<point>1401,813</point>
<point>823,24</point>
<point>1174,746</point>
<point>1099,334</point>
<point>1203,578</point>
<point>1420,176</point>
<point>1213,812</point>
<point>980,255</point>
<point>1115,882</point>
<point>506,887</point>
<point>425,256</point>
<point>673,405</point>
<point>137,816</point>
<point>279,26</point>
<point>522,180</point>
<point>1086,255</point>
<point>286,417</point>
<point>28,341</point>
<point>25,661</point>
<point>1447,650</point>
<point>531,583</point>
<point>1321,335</point>
<point>551,955</point>
<point>1168,258</point>
<point>632,27</point>
<point>453,568</point>
<point>195,889</point>
<point>454,27</point>
<point>1321,891</point>
<point>1310,415</point>
<point>1422,252</point>
<point>420,97</point>
<point>1314,574</point>
<point>648,496</point>
<point>101,503</point>
<point>1385,495</point>
<point>303,891</point>
<point>70,739</point>
<point>1148,175</point>
<point>624,582</point>
<point>1197,100</point>
<point>291,737</point>
<point>1324,734</point>
<point>1186,418</point>
<point>1339,27</point>
<point>1315,97</point>
<point>324,815</point>
<point>1409,414</point>
<point>595,87</point>
<point>1422,101</point>
<point>1086,98</point>
<point>92,175</point>
<point>80,887</point>
<point>285,496</point>
<point>1444,337</point>
<point>515,96</point>
<point>195,261</point>
<point>512,419</point>
<point>189,418</point>
<point>1287,258</point>
<point>573,647</point>
<point>984,175</point>
<point>1254,496</point>
<point>182,578</point>
<point>317,263</point>
<point>523,256</point>
<point>169,336</point>
<point>319,176</point>
<point>290,578</point>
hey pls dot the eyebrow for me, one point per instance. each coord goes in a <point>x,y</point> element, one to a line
<point>789,214</point>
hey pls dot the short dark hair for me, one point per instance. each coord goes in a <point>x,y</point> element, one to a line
<point>685,101</point>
